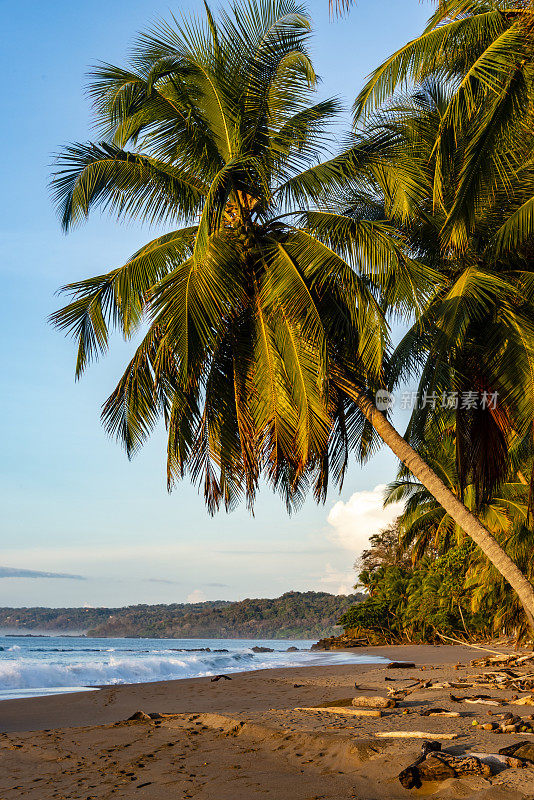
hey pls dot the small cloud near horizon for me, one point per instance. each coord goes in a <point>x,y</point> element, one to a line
<point>162,580</point>
<point>344,581</point>
<point>13,572</point>
<point>197,596</point>
<point>363,515</point>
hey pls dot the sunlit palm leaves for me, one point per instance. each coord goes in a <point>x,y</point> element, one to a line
<point>484,51</point>
<point>474,332</point>
<point>212,126</point>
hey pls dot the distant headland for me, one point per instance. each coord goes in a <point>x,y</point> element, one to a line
<point>301,615</point>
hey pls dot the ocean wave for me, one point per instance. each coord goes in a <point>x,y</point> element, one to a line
<point>26,674</point>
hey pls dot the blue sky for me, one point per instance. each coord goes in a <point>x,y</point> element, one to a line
<point>71,502</point>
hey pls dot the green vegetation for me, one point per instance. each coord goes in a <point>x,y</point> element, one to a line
<point>424,577</point>
<point>300,615</point>
<point>417,601</point>
<point>265,315</point>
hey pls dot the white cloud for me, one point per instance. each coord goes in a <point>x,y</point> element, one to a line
<point>359,518</point>
<point>338,582</point>
<point>197,596</point>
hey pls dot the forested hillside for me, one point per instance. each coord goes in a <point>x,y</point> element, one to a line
<point>294,615</point>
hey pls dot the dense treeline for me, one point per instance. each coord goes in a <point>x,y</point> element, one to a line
<point>293,615</point>
<point>416,600</point>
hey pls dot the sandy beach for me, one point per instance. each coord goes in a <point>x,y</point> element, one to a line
<point>242,739</point>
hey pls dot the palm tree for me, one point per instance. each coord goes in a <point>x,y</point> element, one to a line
<point>266,334</point>
<point>425,527</point>
<point>245,304</point>
<point>475,332</point>
<point>484,50</point>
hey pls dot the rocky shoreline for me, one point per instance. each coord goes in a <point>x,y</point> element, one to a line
<point>344,641</point>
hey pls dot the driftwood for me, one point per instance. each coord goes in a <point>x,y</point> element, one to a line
<point>374,702</point>
<point>478,699</point>
<point>218,678</point>
<point>483,701</point>
<point>524,701</point>
<point>409,777</point>
<point>439,712</point>
<point>498,761</point>
<point>400,665</point>
<point>505,679</point>
<point>350,712</point>
<point>401,694</point>
<point>433,765</point>
<point>510,723</point>
<point>510,660</point>
<point>473,646</point>
<point>523,750</point>
<point>414,735</point>
<point>439,766</point>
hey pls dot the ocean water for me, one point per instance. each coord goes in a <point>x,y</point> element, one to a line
<point>31,666</point>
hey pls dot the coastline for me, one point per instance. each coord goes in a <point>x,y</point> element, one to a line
<point>243,739</point>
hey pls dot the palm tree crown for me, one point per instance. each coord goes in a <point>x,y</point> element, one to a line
<point>248,302</point>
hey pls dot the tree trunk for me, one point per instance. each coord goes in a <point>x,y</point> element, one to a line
<point>469,523</point>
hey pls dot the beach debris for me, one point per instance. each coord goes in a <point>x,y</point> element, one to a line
<point>374,702</point>
<point>218,678</point>
<point>434,765</point>
<point>409,777</point>
<point>511,660</point>
<point>414,735</point>
<point>503,678</point>
<point>140,716</point>
<point>523,750</point>
<point>342,642</point>
<point>439,712</point>
<point>400,665</point>
<point>524,701</point>
<point>401,694</point>
<point>479,699</point>
<point>465,684</point>
<point>499,761</point>
<point>510,723</point>
<point>351,712</point>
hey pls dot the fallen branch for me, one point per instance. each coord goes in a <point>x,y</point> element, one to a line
<point>440,712</point>
<point>479,699</point>
<point>474,646</point>
<point>350,712</point>
<point>415,735</point>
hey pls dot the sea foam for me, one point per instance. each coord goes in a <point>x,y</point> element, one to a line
<point>24,673</point>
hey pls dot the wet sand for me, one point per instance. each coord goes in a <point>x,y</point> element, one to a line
<point>243,739</point>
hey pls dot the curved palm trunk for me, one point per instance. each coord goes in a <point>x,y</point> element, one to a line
<point>452,505</point>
